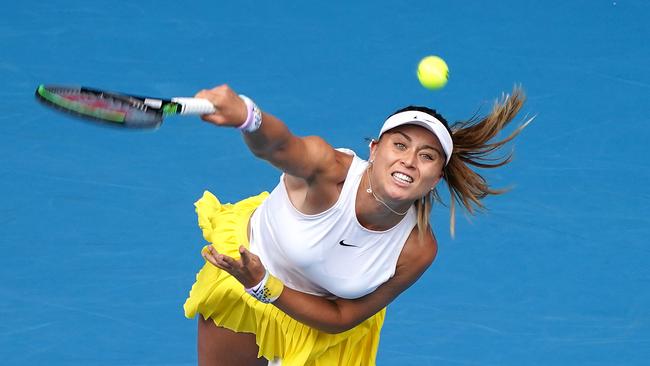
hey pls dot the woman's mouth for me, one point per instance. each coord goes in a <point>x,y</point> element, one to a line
<point>402,178</point>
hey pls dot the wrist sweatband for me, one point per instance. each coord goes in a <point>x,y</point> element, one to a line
<point>254,116</point>
<point>268,290</point>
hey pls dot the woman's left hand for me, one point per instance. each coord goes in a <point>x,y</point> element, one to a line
<point>248,270</point>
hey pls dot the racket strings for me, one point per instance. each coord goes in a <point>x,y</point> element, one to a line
<point>94,101</point>
<point>86,104</point>
<point>118,110</point>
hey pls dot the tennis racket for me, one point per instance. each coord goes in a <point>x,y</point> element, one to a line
<point>117,109</point>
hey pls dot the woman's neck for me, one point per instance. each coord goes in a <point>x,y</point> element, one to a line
<point>372,211</point>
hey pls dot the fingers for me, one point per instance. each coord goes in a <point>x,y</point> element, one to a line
<point>203,94</point>
<point>228,261</point>
<point>245,258</point>
<point>222,261</point>
<point>249,270</point>
<point>249,259</point>
<point>215,95</point>
<point>230,108</point>
<point>216,117</point>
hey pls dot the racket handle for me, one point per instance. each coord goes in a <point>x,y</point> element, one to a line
<point>195,105</point>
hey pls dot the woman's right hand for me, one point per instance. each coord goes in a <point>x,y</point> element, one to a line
<point>248,270</point>
<point>231,111</point>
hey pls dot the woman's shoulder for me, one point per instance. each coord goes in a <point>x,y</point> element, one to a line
<point>324,188</point>
<point>345,157</point>
<point>343,160</point>
<point>419,250</point>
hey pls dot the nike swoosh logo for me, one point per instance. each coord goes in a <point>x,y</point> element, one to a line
<point>347,245</point>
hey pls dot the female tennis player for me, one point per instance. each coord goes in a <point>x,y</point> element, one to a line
<point>302,276</point>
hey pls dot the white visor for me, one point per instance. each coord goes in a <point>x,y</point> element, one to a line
<point>424,120</point>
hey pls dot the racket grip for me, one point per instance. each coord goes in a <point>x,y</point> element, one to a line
<point>195,105</point>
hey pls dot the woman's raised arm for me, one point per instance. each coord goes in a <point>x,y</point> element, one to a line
<point>271,140</point>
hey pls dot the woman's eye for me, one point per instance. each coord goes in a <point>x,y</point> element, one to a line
<point>400,145</point>
<point>427,156</point>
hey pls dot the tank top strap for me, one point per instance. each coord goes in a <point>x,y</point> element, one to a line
<point>356,169</point>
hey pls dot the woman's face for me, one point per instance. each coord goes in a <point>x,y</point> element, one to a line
<point>407,163</point>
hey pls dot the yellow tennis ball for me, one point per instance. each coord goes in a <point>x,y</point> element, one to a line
<point>433,72</point>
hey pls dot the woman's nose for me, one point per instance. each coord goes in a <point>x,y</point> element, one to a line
<point>408,160</point>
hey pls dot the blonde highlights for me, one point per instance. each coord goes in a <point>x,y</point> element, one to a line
<point>472,147</point>
<point>423,209</point>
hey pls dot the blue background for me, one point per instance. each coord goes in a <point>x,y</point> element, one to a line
<point>98,236</point>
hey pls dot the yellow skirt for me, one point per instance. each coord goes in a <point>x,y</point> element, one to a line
<point>219,296</point>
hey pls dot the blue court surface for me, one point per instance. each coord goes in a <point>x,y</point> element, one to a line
<point>98,235</point>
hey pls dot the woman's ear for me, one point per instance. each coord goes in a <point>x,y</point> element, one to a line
<point>373,147</point>
<point>435,183</point>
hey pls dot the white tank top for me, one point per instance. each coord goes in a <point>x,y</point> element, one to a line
<point>330,253</point>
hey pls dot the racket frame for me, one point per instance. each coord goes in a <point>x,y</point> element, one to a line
<point>156,108</point>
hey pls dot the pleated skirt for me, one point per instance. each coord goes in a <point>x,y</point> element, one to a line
<point>218,296</point>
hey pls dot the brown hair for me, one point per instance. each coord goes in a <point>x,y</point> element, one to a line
<point>472,147</point>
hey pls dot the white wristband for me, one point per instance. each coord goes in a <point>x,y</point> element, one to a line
<point>251,291</point>
<point>268,290</point>
<point>253,118</point>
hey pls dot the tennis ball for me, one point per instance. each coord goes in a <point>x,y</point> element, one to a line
<point>433,72</point>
